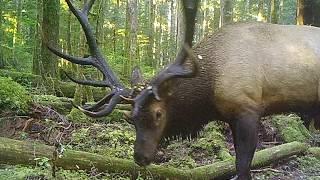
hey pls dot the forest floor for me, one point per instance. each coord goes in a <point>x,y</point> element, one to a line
<point>115,137</point>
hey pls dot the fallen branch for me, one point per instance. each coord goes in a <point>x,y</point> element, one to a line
<point>19,152</point>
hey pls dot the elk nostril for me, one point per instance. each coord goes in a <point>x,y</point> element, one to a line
<point>141,160</point>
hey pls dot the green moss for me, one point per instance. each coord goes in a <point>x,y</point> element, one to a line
<point>13,97</point>
<point>77,116</point>
<point>113,140</point>
<point>21,173</point>
<point>309,164</point>
<point>118,142</point>
<point>185,162</point>
<point>25,79</point>
<point>60,104</point>
<point>116,116</point>
<point>209,147</point>
<point>291,128</point>
<point>212,141</point>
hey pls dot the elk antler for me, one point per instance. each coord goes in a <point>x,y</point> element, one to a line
<point>97,60</point>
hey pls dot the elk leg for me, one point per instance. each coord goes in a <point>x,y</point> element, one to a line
<point>245,136</point>
<point>317,123</point>
<point>314,116</point>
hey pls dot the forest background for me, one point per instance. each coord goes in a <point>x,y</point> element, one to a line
<point>147,33</point>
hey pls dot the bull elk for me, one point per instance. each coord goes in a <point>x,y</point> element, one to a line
<point>237,75</point>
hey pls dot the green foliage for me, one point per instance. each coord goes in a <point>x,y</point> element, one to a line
<point>43,162</point>
<point>60,104</point>
<point>13,97</point>
<point>25,79</point>
<point>212,141</point>
<point>76,116</point>
<point>291,128</point>
<point>22,173</point>
<point>208,147</point>
<point>115,116</point>
<point>112,140</point>
<point>309,164</point>
<point>185,162</point>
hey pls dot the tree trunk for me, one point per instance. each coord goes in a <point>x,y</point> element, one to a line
<point>261,16</point>
<point>216,16</point>
<point>132,37</point>
<point>274,12</point>
<point>308,12</point>
<point>1,35</point>
<point>180,27</point>
<point>18,152</point>
<point>151,34</point>
<point>226,16</point>
<point>36,59</point>
<point>50,31</point>
<point>173,30</point>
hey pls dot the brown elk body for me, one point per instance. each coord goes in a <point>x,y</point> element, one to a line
<point>246,71</point>
<point>237,75</point>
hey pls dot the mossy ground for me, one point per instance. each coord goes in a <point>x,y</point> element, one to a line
<point>292,128</point>
<point>113,136</point>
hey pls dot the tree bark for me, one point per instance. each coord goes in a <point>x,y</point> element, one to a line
<point>308,12</point>
<point>226,16</point>
<point>274,12</point>
<point>50,32</point>
<point>1,34</point>
<point>261,16</point>
<point>132,35</point>
<point>18,152</point>
<point>151,34</point>
<point>36,59</point>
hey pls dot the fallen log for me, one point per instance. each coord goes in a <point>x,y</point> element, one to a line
<point>61,88</point>
<point>63,104</point>
<point>261,158</point>
<point>22,152</point>
<point>18,152</point>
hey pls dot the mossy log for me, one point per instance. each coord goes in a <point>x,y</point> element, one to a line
<point>61,88</point>
<point>291,128</point>
<point>261,158</point>
<point>18,152</point>
<point>63,104</point>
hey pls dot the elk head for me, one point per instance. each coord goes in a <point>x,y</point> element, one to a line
<point>149,114</point>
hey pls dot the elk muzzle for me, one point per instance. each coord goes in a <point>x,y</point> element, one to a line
<point>145,149</point>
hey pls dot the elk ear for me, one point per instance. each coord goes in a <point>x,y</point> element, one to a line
<point>136,77</point>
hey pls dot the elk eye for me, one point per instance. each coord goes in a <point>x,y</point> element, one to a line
<point>158,114</point>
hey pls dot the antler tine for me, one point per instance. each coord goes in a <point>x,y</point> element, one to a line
<point>116,98</point>
<point>97,58</point>
<point>89,82</point>
<point>100,103</point>
<point>106,105</point>
<point>76,60</point>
